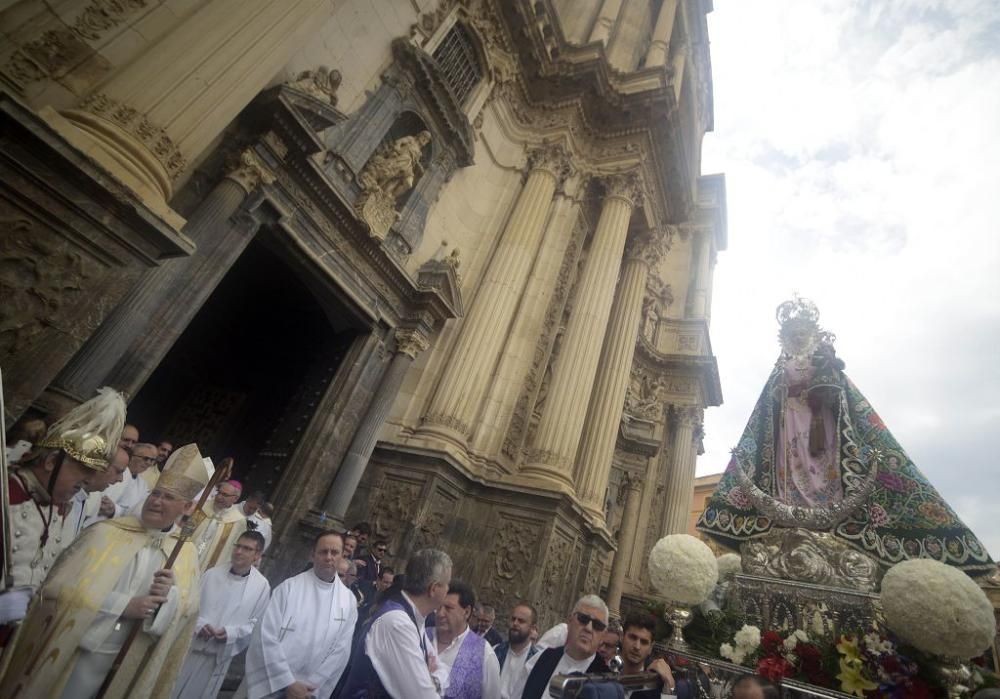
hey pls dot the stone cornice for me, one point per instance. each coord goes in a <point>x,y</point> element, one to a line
<point>704,367</point>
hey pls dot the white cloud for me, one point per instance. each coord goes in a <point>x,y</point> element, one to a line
<point>861,151</point>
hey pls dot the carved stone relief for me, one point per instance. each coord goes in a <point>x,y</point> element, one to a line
<point>510,561</point>
<point>646,395</point>
<point>392,508</point>
<point>437,512</point>
<point>56,50</point>
<point>554,577</point>
<point>321,83</point>
<point>389,174</point>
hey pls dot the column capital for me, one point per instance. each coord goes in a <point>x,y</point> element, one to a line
<point>650,247</point>
<point>248,171</point>
<point>553,158</point>
<point>410,342</point>
<point>626,186</point>
<point>686,415</point>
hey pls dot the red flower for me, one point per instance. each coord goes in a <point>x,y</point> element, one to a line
<point>918,689</point>
<point>875,421</point>
<point>775,669</point>
<point>771,642</point>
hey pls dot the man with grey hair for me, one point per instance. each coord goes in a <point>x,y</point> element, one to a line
<point>391,657</point>
<point>585,628</point>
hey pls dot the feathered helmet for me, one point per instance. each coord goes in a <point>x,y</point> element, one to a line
<point>90,432</point>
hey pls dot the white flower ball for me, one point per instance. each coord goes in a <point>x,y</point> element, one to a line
<point>747,638</point>
<point>683,569</point>
<point>937,608</point>
<point>729,565</point>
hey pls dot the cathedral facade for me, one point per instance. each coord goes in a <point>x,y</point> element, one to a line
<point>444,266</point>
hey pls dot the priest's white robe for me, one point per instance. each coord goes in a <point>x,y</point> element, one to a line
<point>217,533</point>
<point>234,603</point>
<point>127,494</point>
<point>304,635</point>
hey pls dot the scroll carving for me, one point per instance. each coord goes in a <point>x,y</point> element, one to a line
<point>321,83</point>
<point>135,123</point>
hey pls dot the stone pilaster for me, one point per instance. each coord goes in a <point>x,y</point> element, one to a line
<point>601,428</point>
<point>143,327</point>
<point>558,435</point>
<point>679,491</point>
<point>626,544</point>
<point>159,114</point>
<point>606,18</point>
<point>409,343</point>
<point>482,336</point>
<point>517,355</point>
<point>702,275</point>
<point>659,45</point>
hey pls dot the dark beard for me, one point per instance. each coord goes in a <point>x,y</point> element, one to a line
<point>515,638</point>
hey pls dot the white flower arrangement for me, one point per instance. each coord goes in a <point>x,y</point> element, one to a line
<point>937,608</point>
<point>795,638</point>
<point>729,564</point>
<point>746,640</point>
<point>683,569</point>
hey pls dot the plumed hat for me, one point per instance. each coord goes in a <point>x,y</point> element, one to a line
<point>90,432</point>
<point>185,474</point>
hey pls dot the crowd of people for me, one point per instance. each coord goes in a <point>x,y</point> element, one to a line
<point>116,585</point>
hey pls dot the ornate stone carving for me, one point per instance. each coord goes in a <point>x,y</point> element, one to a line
<point>410,342</point>
<point>248,171</point>
<point>321,83</point>
<point>393,506</point>
<point>448,421</point>
<point>557,559</point>
<point>136,124</point>
<point>646,396</point>
<point>58,49</point>
<point>812,557</point>
<point>41,276</point>
<point>395,166</point>
<point>650,248</point>
<point>553,158</point>
<point>624,186</point>
<point>432,523</point>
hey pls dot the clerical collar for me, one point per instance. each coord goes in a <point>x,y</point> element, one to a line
<point>321,581</point>
<point>232,571</point>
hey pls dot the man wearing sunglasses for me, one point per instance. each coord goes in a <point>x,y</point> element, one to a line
<point>585,628</point>
<point>370,564</point>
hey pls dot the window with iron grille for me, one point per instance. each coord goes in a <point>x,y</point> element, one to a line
<point>459,64</point>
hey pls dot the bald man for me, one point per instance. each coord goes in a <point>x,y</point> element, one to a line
<point>222,526</point>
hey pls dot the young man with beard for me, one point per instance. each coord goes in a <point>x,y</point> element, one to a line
<point>513,653</point>
<point>585,628</point>
<point>637,645</point>
<point>464,665</point>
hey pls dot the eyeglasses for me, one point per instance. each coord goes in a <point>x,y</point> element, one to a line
<point>149,459</point>
<point>585,619</point>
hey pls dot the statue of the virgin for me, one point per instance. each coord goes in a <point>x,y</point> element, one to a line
<point>816,455</point>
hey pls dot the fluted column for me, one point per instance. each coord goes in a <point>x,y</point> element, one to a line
<point>659,46</point>
<point>157,116</point>
<point>626,544</point>
<point>679,490</point>
<point>516,357</point>
<point>558,435</point>
<point>601,427</point>
<point>482,335</point>
<point>606,19</point>
<point>409,343</point>
<point>702,275</point>
<point>144,326</point>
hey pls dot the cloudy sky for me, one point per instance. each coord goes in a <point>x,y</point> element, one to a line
<point>861,147</point>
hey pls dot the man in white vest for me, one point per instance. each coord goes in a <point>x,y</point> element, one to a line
<point>302,644</point>
<point>233,598</point>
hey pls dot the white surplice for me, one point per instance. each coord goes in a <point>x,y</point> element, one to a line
<point>128,493</point>
<point>304,635</point>
<point>235,603</point>
<point>107,633</point>
<point>262,525</point>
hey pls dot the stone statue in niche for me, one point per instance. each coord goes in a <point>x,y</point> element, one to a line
<point>321,83</point>
<point>395,167</point>
<point>645,397</point>
<point>389,174</point>
<point>650,321</point>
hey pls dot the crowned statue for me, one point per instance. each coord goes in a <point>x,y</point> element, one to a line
<point>816,456</point>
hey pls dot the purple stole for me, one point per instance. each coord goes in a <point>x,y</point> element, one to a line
<point>466,678</point>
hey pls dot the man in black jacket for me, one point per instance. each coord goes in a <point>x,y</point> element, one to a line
<point>585,629</point>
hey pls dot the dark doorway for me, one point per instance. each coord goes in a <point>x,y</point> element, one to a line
<point>246,376</point>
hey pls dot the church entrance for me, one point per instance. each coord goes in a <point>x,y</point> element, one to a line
<point>245,378</point>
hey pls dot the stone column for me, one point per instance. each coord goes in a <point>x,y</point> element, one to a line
<point>679,491</point>
<point>606,19</point>
<point>409,343</point>
<point>626,544</point>
<point>144,326</point>
<point>518,352</point>
<point>702,276</point>
<point>601,427</point>
<point>481,339</point>
<point>558,435</point>
<point>659,46</point>
<point>153,119</point>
